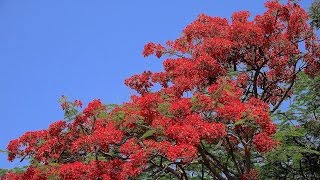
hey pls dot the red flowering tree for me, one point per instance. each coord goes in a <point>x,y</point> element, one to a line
<point>208,115</point>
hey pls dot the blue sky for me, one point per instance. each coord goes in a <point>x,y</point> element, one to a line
<point>84,50</point>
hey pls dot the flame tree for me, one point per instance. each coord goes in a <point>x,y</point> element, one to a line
<point>206,115</point>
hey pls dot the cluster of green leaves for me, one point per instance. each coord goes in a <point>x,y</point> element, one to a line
<point>13,170</point>
<point>298,155</point>
<point>314,13</point>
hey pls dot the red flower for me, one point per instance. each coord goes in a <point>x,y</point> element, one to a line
<point>93,107</point>
<point>183,152</point>
<point>263,142</point>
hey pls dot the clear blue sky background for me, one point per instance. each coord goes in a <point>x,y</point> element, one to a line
<point>83,49</point>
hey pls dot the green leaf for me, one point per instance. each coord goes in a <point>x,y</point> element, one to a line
<point>148,133</point>
<point>242,121</point>
<point>163,108</point>
<point>119,116</point>
<point>232,73</point>
<point>220,105</point>
<point>102,115</point>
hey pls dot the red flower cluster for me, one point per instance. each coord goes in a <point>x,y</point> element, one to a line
<point>152,48</point>
<point>93,107</point>
<point>187,134</point>
<point>182,152</point>
<point>140,83</point>
<point>263,142</point>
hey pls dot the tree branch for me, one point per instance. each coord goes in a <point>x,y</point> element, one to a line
<point>207,163</point>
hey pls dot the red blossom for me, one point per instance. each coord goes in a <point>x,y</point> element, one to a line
<point>140,83</point>
<point>56,128</point>
<point>181,107</point>
<point>77,103</point>
<point>93,106</point>
<point>184,152</point>
<point>152,48</point>
<point>263,142</point>
<point>187,134</point>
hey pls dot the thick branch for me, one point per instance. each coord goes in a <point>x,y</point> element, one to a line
<point>218,164</point>
<point>167,169</point>
<point>207,163</point>
<point>233,157</point>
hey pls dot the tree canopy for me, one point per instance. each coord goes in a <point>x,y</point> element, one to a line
<point>207,115</point>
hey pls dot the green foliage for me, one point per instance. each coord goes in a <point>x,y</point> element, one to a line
<point>163,108</point>
<point>13,170</point>
<point>119,116</point>
<point>148,133</point>
<point>70,110</point>
<point>314,13</point>
<point>298,155</point>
